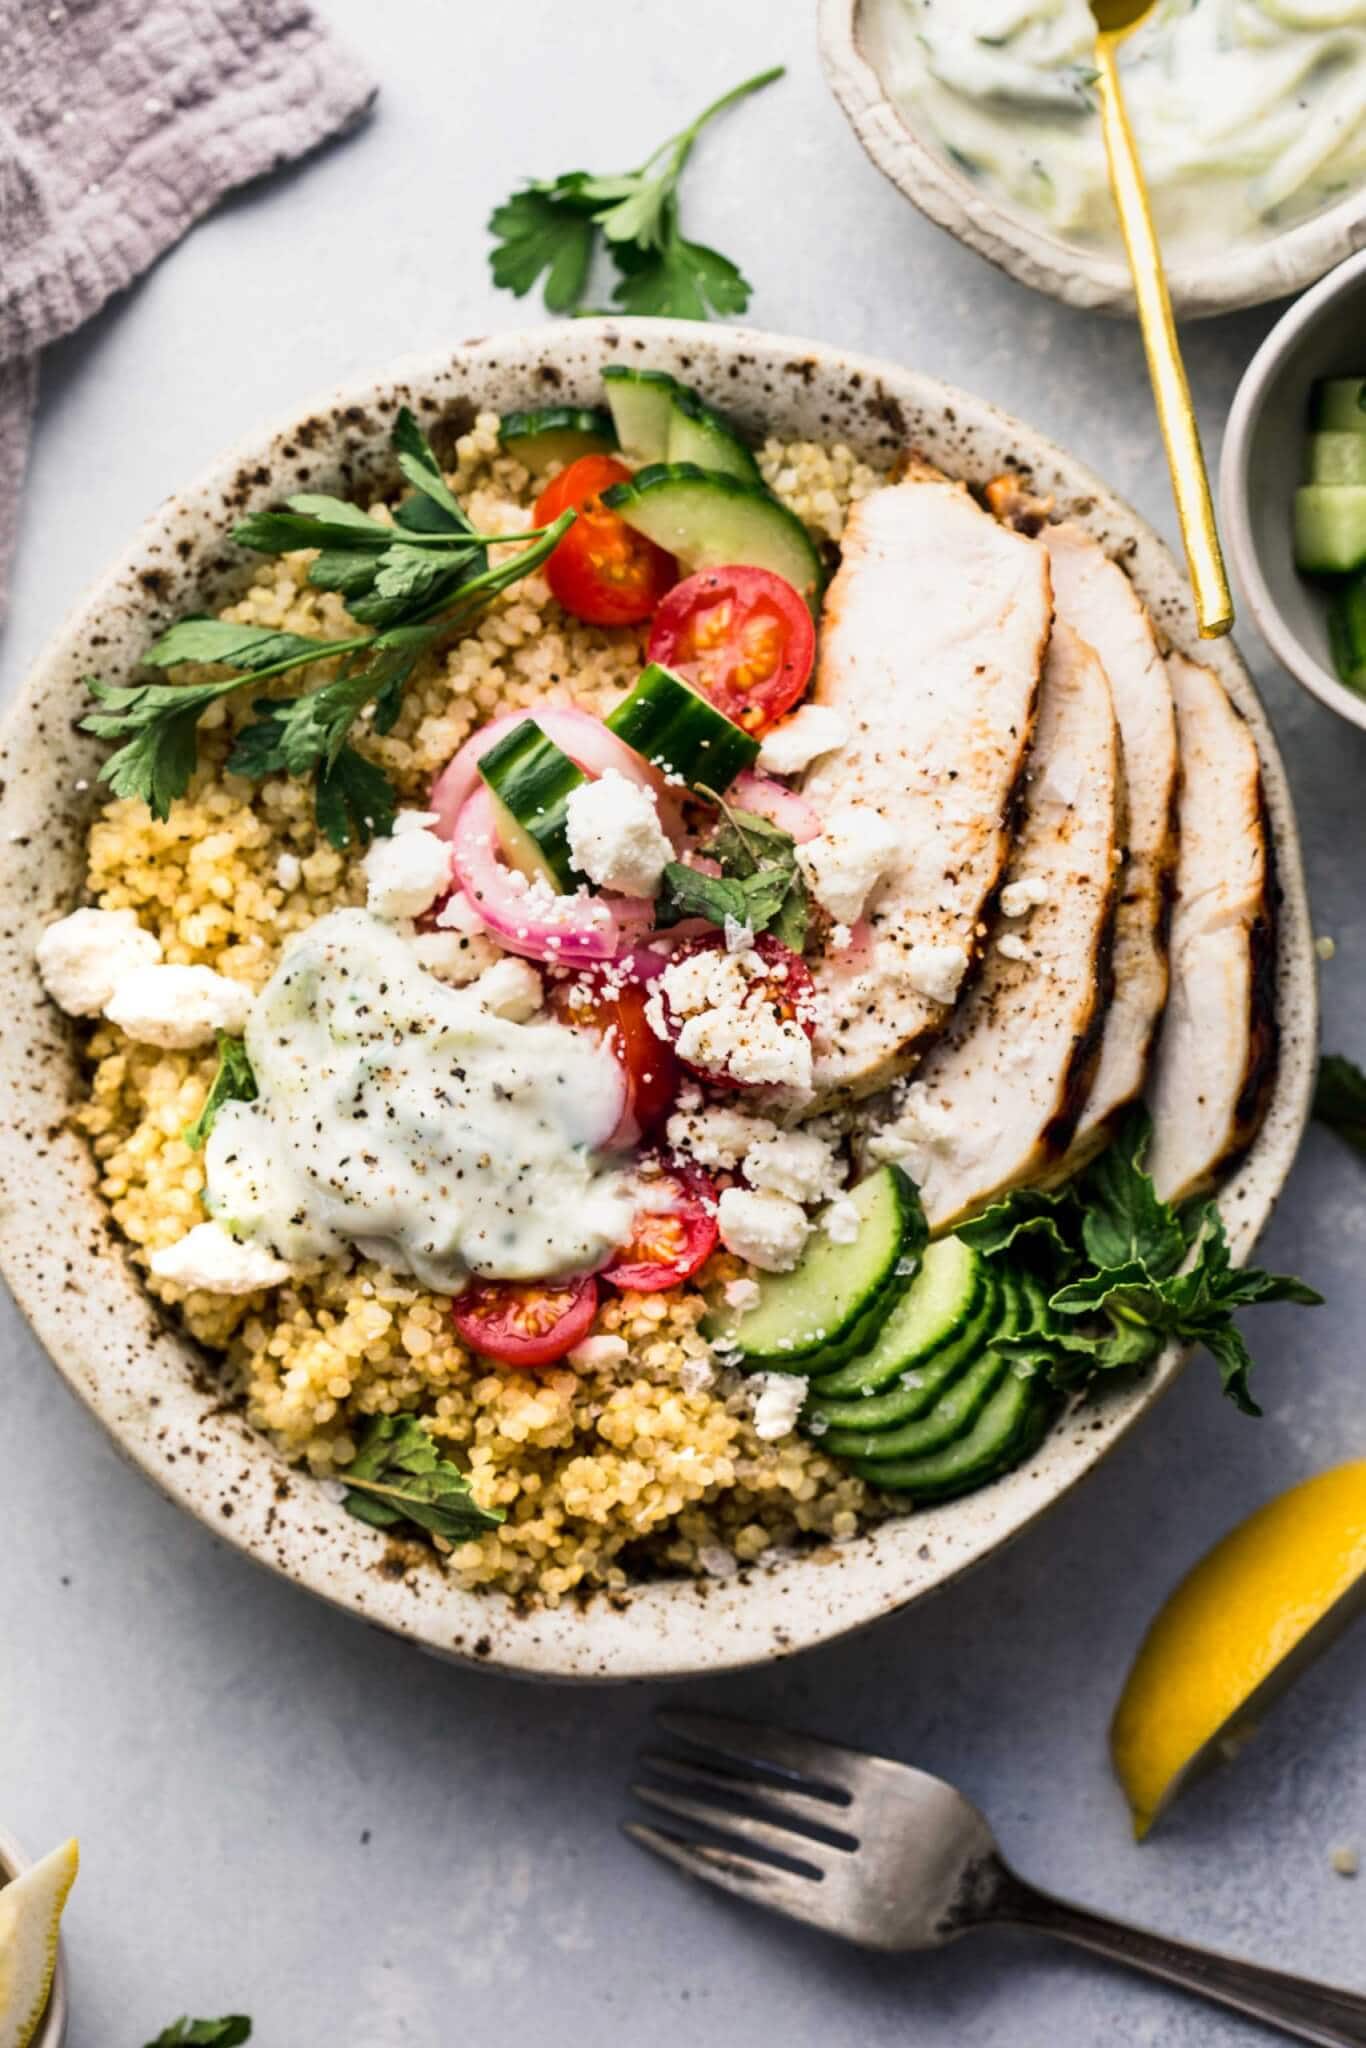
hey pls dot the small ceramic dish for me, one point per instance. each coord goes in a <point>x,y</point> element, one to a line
<point>153,1391</point>
<point>52,2031</point>
<point>1245,274</point>
<point>1323,335</point>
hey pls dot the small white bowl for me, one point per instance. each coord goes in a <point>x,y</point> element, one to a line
<point>51,2033</point>
<point>1323,335</point>
<point>1244,274</point>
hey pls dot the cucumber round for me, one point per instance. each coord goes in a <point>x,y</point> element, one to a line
<point>1007,1429</point>
<point>1337,458</point>
<point>952,1414</point>
<point>709,521</point>
<point>1330,528</point>
<point>920,1386</point>
<point>697,434</point>
<point>1338,405</point>
<point>642,408</point>
<point>531,781</point>
<point>678,731</point>
<point>827,1307</point>
<point>1347,629</point>
<point>556,436</point>
<point>941,1300</point>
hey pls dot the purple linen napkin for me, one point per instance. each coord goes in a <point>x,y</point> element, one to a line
<point>121,122</point>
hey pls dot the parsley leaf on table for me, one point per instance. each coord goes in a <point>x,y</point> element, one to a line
<point>399,1475</point>
<point>547,233</point>
<point>1340,1099</point>
<point>229,2032</point>
<point>234,1082</point>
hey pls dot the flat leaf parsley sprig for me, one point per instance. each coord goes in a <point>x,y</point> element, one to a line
<point>425,576</point>
<point>550,230</point>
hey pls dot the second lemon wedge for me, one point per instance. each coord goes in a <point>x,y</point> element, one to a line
<point>30,1914</point>
<point>1240,1626</point>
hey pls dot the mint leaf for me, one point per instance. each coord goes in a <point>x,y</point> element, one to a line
<point>399,1475</point>
<point>1048,1216</point>
<point>686,893</point>
<point>1123,1216</point>
<point>229,2032</point>
<point>234,1082</point>
<point>1340,1094</point>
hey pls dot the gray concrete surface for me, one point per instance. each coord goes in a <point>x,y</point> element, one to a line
<point>284,1814</point>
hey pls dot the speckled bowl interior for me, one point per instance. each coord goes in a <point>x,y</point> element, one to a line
<point>147,1383</point>
<point>1244,273</point>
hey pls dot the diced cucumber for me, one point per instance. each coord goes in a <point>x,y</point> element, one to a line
<point>1347,630</point>
<point>1337,458</point>
<point>556,436</point>
<point>697,434</point>
<point>531,780</point>
<point>675,728</point>
<point>1338,405</point>
<point>828,1306</point>
<point>942,1300</point>
<point>642,408</point>
<point>1330,528</point>
<point>710,521</point>
<point>920,1386</point>
<point>953,1413</point>
<point>1006,1430</point>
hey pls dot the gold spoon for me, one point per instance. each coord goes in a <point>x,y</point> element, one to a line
<point>1116,19</point>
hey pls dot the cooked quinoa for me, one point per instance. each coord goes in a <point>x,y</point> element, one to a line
<point>647,1462</point>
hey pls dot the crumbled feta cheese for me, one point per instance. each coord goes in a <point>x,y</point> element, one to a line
<point>1011,946</point>
<point>841,1222</point>
<point>460,914</point>
<point>814,730</point>
<point>726,1027</point>
<point>207,1259</point>
<point>615,837</point>
<point>764,1229</point>
<point>739,937</point>
<point>405,873</point>
<point>178,1007</point>
<point>715,1136</point>
<point>696,1375</point>
<point>456,957</point>
<point>777,1398</point>
<point>935,971</point>
<point>742,1295</point>
<point>511,988</point>
<point>1020,897</point>
<point>82,958</point>
<point>795,1163</point>
<point>921,1128</point>
<point>847,860</point>
<point>841,938</point>
<point>415,821</point>
<point>602,1350</point>
<point>289,871</point>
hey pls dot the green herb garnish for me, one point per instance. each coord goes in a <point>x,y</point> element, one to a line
<point>234,1082</point>
<point>1340,1096</point>
<point>548,233</point>
<point>399,1475</point>
<point>228,2032</point>
<point>1126,1272</point>
<point>416,581</point>
<point>760,885</point>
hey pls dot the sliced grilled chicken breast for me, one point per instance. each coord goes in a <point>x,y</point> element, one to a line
<point>994,1104</point>
<point>1093,595</point>
<point>1216,1055</point>
<point>933,638</point>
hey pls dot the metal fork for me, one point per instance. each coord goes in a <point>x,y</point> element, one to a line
<point>894,1859</point>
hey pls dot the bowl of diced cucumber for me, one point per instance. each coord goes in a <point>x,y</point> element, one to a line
<point>1293,489</point>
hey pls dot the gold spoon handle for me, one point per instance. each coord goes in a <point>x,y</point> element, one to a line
<point>1175,413</point>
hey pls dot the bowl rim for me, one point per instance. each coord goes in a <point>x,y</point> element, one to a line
<point>146,1384</point>
<point>14,1861</point>
<point>1244,415</point>
<point>1247,275</point>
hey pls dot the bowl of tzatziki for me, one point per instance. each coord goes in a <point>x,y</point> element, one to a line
<point>1250,116</point>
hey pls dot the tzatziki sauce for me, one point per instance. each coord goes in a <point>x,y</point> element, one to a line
<point>398,1115</point>
<point>1249,114</point>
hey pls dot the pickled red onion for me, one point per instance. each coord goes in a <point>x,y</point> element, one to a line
<point>527,918</point>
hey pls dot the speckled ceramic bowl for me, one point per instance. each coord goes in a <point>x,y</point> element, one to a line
<point>1245,273</point>
<point>52,2032</point>
<point>146,1382</point>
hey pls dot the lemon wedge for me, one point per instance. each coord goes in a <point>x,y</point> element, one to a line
<point>30,1915</point>
<point>1240,1628</point>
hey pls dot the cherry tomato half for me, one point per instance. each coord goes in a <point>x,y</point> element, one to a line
<point>614,1010</point>
<point>602,571</point>
<point>668,1243</point>
<point>527,1322</point>
<point>785,989</point>
<point>742,637</point>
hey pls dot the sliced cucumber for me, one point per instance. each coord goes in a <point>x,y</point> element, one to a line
<point>642,408</point>
<point>1347,630</point>
<point>1337,458</point>
<point>829,1305</point>
<point>1338,405</point>
<point>1330,528</point>
<point>1006,1430</point>
<point>556,436</point>
<point>952,1414</point>
<point>941,1302</point>
<point>674,728</point>
<point>921,1386</point>
<point>710,521</point>
<point>697,434</point>
<point>531,780</point>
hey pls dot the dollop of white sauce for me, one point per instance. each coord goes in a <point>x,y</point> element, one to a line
<point>401,1115</point>
<point>1249,114</point>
